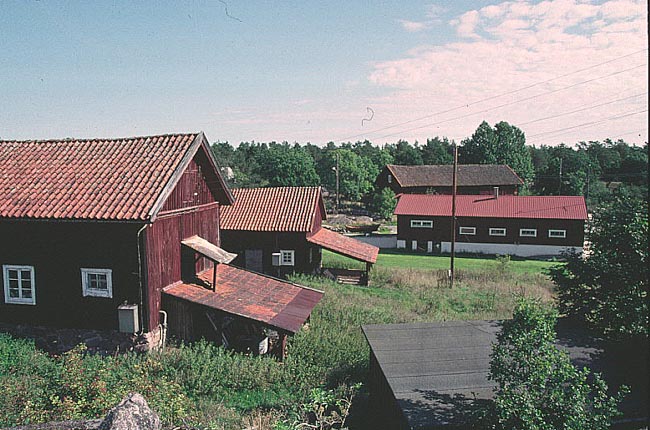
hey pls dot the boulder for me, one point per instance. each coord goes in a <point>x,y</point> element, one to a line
<point>132,413</point>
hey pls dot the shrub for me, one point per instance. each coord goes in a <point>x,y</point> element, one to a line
<point>537,386</point>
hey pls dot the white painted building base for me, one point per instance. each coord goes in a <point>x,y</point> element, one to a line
<point>509,249</point>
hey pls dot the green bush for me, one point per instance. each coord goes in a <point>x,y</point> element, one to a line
<point>537,386</point>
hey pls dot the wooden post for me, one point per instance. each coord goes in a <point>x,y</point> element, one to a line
<point>283,346</point>
<point>368,267</point>
<point>214,275</point>
<point>337,182</point>
<point>453,217</point>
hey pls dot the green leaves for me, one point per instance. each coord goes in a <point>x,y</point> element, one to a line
<point>537,386</point>
<point>609,289</point>
<point>503,144</point>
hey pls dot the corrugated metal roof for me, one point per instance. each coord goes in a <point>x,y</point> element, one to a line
<point>288,209</point>
<point>551,207</point>
<point>440,175</point>
<point>251,295</point>
<point>345,245</point>
<point>88,179</point>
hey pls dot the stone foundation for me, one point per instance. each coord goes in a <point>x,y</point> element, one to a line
<point>56,340</point>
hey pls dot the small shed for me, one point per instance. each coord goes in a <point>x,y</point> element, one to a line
<point>278,231</point>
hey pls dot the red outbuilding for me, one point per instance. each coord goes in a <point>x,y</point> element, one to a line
<point>92,225</point>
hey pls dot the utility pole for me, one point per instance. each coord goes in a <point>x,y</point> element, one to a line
<point>337,182</point>
<point>560,188</point>
<point>453,217</point>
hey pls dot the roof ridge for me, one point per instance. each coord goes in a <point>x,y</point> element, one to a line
<point>276,188</point>
<point>100,139</point>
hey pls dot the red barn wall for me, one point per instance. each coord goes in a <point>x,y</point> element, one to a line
<point>441,230</point>
<point>238,241</point>
<point>163,244</point>
<point>194,186</point>
<point>57,251</point>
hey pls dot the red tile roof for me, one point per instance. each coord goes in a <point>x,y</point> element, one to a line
<point>251,295</point>
<point>552,207</point>
<point>440,175</point>
<point>345,245</point>
<point>90,179</point>
<point>287,209</point>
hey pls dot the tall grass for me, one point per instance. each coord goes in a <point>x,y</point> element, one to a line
<point>201,385</point>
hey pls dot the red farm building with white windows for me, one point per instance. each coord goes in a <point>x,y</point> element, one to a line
<point>88,225</point>
<point>514,225</point>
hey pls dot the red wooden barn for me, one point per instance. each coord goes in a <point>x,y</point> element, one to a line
<point>279,230</point>
<point>513,225</point>
<point>89,225</point>
<point>437,179</point>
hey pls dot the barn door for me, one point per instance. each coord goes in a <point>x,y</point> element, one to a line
<point>254,260</point>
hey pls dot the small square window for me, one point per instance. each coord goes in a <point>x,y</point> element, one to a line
<point>287,257</point>
<point>497,231</point>
<point>97,282</point>
<point>467,230</point>
<point>19,284</point>
<point>558,234</point>
<point>528,232</point>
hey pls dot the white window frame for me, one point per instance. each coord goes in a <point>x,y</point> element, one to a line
<point>497,231</point>
<point>19,300</point>
<point>87,291</point>
<point>291,260</point>
<point>401,244</point>
<point>421,223</point>
<point>390,178</point>
<point>414,245</point>
<point>527,232</point>
<point>469,231</point>
<point>557,234</point>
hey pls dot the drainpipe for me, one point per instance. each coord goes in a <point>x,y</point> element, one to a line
<point>141,312</point>
<point>163,329</point>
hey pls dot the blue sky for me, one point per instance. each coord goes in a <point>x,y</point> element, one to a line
<point>309,71</point>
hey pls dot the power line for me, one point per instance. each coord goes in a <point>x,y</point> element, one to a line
<point>588,124</point>
<point>513,102</point>
<point>492,97</point>
<point>583,109</point>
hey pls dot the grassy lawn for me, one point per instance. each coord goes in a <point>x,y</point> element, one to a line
<point>203,386</point>
<point>405,260</point>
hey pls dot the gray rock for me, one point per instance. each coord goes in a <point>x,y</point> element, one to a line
<point>132,413</point>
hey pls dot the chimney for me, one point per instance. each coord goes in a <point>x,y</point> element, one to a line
<point>496,192</point>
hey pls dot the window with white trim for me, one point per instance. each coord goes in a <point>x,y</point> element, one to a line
<point>497,231</point>
<point>97,282</point>
<point>528,232</point>
<point>390,178</point>
<point>421,223</point>
<point>467,230</point>
<point>287,257</point>
<point>558,234</point>
<point>19,284</point>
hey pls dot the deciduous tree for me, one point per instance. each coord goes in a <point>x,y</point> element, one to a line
<point>537,386</point>
<point>609,288</point>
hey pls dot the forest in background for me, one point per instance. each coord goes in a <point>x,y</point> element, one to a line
<point>592,169</point>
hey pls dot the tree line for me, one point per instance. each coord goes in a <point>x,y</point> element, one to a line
<point>591,168</point>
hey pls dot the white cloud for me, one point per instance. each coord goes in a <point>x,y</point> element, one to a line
<point>431,17</point>
<point>414,26</point>
<point>513,45</point>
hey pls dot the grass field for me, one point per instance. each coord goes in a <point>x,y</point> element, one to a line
<point>405,260</point>
<point>203,386</point>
